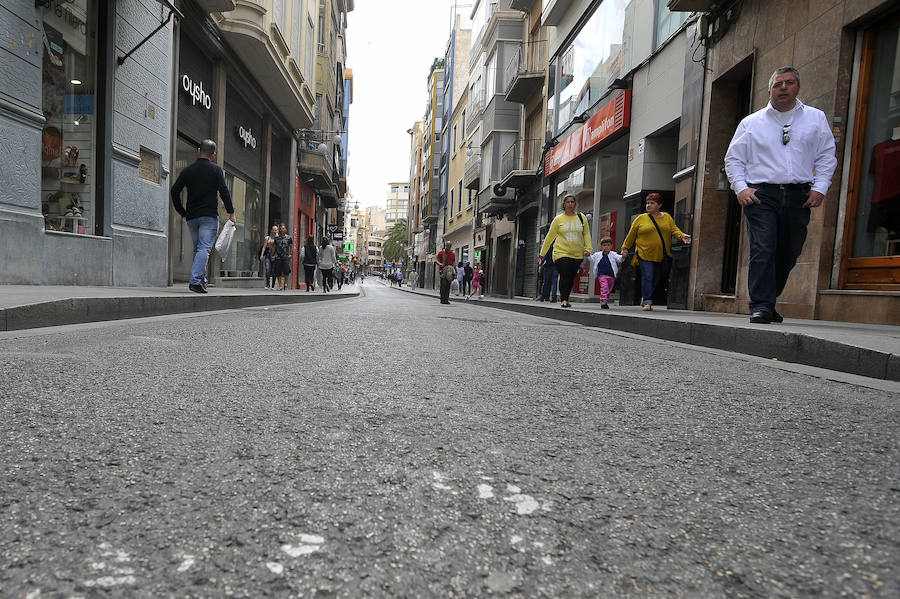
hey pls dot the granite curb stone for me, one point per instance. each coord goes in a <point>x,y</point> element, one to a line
<point>787,346</point>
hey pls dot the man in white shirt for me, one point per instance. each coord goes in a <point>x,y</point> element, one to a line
<point>780,163</point>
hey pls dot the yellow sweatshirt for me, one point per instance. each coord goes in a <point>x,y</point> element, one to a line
<point>571,237</point>
<point>643,234</point>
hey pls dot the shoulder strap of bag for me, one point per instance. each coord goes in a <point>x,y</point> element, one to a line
<point>665,252</point>
<point>583,226</point>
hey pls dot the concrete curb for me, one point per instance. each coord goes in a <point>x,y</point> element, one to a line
<point>98,309</point>
<point>786,346</point>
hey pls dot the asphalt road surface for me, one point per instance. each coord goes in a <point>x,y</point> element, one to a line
<point>388,446</point>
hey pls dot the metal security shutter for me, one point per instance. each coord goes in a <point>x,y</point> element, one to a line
<point>529,234</point>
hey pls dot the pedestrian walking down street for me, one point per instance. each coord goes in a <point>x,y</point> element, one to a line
<point>268,257</point>
<point>605,266</point>
<point>446,261</point>
<point>651,236</point>
<point>460,278</point>
<point>478,279</point>
<point>467,280</point>
<point>205,183</point>
<point>549,277</point>
<point>399,278</point>
<point>337,275</point>
<point>571,240</point>
<point>309,259</point>
<point>327,258</point>
<point>780,163</point>
<point>283,257</point>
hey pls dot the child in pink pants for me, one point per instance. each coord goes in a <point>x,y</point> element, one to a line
<point>605,266</point>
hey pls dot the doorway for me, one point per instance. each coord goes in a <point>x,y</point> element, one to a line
<point>501,265</point>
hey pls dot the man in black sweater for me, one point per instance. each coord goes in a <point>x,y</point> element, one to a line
<point>204,179</point>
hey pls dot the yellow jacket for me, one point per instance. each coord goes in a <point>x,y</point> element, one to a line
<point>649,246</point>
<point>571,235</point>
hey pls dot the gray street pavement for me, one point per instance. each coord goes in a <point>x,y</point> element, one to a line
<point>386,445</point>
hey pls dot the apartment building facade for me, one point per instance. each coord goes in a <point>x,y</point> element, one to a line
<point>497,32</point>
<point>113,99</point>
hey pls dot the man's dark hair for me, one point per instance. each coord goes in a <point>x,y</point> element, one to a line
<point>310,239</point>
<point>207,147</point>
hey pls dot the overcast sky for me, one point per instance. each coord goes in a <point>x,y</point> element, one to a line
<point>390,47</point>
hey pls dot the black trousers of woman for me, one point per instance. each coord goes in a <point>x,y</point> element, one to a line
<point>327,278</point>
<point>309,274</point>
<point>568,268</point>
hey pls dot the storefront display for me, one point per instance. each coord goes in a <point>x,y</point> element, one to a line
<point>68,144</point>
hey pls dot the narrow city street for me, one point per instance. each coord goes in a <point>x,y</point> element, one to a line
<point>387,445</point>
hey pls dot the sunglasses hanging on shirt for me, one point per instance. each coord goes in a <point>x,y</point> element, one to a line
<point>786,134</point>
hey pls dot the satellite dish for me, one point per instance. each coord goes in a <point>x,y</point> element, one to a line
<point>499,190</point>
<point>323,148</point>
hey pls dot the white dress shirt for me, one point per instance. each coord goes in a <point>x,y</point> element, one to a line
<point>756,153</point>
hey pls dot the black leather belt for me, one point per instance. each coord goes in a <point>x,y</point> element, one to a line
<point>803,186</point>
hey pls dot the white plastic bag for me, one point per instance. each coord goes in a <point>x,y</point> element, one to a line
<point>454,287</point>
<point>224,240</point>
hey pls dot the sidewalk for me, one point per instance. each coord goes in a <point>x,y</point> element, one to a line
<point>33,306</point>
<point>863,349</point>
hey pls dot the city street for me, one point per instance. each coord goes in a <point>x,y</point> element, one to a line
<point>387,445</point>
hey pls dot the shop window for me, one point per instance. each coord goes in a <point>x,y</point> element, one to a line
<point>872,233</point>
<point>242,259</point>
<point>579,184</point>
<point>667,22</point>
<point>583,71</point>
<point>69,139</point>
<point>185,154</point>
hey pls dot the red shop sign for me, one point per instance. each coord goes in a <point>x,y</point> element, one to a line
<point>614,116</point>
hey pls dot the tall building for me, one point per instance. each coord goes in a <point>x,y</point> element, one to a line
<point>431,177</point>
<point>323,146</point>
<point>110,102</point>
<point>497,35</point>
<point>415,228</point>
<point>397,202</point>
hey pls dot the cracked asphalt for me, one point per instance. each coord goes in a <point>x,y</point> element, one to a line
<point>389,446</point>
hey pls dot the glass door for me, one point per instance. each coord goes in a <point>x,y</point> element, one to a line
<point>872,231</point>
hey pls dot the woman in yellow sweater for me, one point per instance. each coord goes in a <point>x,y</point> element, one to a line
<point>573,242</point>
<point>653,245</point>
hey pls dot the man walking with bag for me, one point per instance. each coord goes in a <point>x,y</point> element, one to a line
<point>446,259</point>
<point>780,163</point>
<point>204,179</point>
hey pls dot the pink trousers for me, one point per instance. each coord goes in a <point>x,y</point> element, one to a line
<point>606,285</point>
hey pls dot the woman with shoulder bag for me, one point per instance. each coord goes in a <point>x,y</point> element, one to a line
<point>571,240</point>
<point>651,234</point>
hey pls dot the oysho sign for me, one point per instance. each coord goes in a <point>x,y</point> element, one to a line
<point>196,92</point>
<point>246,135</point>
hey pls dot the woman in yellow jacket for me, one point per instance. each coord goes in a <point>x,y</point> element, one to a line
<point>573,242</point>
<point>652,245</point>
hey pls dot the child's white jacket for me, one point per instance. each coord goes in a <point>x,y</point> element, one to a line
<point>614,260</point>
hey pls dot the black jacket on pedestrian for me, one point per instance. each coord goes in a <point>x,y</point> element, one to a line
<point>203,179</point>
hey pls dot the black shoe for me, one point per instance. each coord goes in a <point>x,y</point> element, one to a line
<point>761,317</point>
<point>776,317</point>
<point>196,288</point>
<point>604,306</point>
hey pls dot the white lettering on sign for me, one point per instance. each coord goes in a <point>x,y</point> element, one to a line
<point>247,136</point>
<point>195,91</point>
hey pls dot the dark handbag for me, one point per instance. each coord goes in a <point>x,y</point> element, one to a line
<point>666,264</point>
<point>667,258</point>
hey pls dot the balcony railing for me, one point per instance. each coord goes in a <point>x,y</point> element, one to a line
<point>473,170</point>
<point>523,155</point>
<point>524,72</point>
<point>476,102</point>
